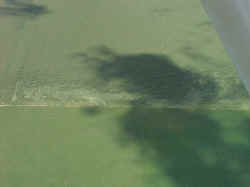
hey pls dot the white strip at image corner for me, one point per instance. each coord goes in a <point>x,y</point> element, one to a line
<point>231,19</point>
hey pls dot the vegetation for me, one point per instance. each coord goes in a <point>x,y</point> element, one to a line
<point>159,53</point>
<point>142,79</point>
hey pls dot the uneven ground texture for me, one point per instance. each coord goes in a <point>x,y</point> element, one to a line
<point>128,93</point>
<point>156,53</point>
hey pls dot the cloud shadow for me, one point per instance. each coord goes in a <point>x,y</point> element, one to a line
<point>193,148</point>
<point>152,77</point>
<point>22,9</point>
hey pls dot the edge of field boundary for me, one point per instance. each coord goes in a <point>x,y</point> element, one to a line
<point>2,106</point>
<point>191,108</point>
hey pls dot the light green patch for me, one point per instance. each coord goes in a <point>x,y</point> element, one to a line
<point>141,147</point>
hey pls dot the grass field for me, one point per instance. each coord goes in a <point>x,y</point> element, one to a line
<point>134,93</point>
<point>97,53</point>
<point>141,147</point>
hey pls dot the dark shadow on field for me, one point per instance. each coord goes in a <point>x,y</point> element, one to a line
<point>22,9</point>
<point>188,146</point>
<point>235,87</point>
<point>152,76</point>
<point>91,110</point>
<point>192,148</point>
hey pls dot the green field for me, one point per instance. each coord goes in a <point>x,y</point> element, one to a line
<point>116,94</point>
<point>141,147</point>
<point>114,53</point>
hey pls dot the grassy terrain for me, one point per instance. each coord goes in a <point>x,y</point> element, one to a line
<point>98,53</point>
<point>141,147</point>
<point>126,63</point>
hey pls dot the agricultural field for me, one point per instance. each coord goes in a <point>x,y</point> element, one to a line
<point>159,53</point>
<point>118,93</point>
<point>141,147</point>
